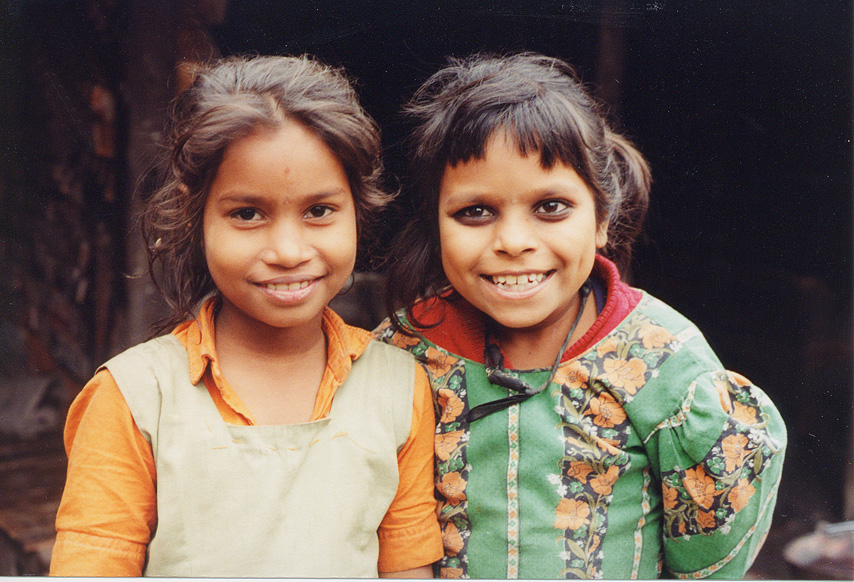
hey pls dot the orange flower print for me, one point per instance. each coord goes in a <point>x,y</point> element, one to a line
<point>605,410</point>
<point>706,519</point>
<point>608,445</point>
<point>606,347</point>
<point>451,538</point>
<point>744,413</point>
<point>603,483</point>
<point>654,336</point>
<point>700,487</point>
<point>453,487</point>
<point>445,444</point>
<point>740,494</point>
<point>572,375</point>
<point>626,374</point>
<point>571,514</point>
<point>579,470</point>
<point>439,362</point>
<point>723,394</point>
<point>670,496</point>
<point>735,449</point>
<point>450,404</point>
<point>402,340</point>
<point>738,379</point>
<point>450,572</point>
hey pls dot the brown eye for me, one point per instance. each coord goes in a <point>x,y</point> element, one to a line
<point>553,208</point>
<point>246,214</point>
<point>473,214</point>
<point>319,211</point>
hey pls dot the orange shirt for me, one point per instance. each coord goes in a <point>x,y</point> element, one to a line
<point>108,508</point>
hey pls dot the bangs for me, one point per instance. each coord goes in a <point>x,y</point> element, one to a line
<point>538,122</point>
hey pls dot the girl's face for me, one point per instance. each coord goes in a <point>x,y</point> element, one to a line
<point>279,229</point>
<point>518,241</point>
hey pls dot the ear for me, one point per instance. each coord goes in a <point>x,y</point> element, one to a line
<point>602,234</point>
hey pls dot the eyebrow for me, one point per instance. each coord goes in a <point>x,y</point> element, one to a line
<point>256,199</point>
<point>484,197</point>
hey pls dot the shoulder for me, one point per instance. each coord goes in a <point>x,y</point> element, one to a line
<point>446,322</point>
<point>656,362</point>
<point>409,338</point>
<point>387,333</point>
<point>149,352</point>
<point>380,354</point>
<point>676,390</point>
<point>147,375</point>
<point>653,328</point>
<point>146,363</point>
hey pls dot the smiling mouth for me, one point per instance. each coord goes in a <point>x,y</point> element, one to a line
<point>517,282</point>
<point>287,286</point>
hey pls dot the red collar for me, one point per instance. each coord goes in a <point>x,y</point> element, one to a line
<point>461,326</point>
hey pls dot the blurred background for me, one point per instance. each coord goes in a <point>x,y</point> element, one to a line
<point>744,110</point>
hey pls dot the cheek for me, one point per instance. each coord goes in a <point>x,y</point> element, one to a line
<point>205,233</point>
<point>447,246</point>
<point>458,250</point>
<point>344,244</point>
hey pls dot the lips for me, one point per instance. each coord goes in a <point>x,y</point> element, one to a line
<point>287,286</point>
<point>288,291</point>
<point>517,282</point>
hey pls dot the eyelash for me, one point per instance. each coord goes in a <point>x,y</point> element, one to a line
<point>325,208</point>
<point>240,214</point>
<point>565,208</point>
<point>468,213</point>
<point>252,214</point>
<point>479,213</point>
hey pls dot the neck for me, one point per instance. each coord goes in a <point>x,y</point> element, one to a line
<point>538,347</point>
<point>276,372</point>
<point>235,333</point>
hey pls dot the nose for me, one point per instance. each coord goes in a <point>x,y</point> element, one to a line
<point>287,245</point>
<point>514,236</point>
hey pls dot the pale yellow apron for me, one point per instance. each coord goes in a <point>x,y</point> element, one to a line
<point>300,500</point>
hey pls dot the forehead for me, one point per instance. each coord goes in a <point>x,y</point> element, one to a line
<point>505,172</point>
<point>468,145</point>
<point>287,159</point>
<point>286,140</point>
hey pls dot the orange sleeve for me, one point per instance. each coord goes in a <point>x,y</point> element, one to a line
<point>108,507</point>
<point>409,533</point>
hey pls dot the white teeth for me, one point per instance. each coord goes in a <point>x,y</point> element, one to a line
<point>518,282</point>
<point>287,286</point>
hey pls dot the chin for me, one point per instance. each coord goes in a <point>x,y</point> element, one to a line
<point>518,323</point>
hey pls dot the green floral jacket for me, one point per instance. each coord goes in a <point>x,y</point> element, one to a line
<point>643,458</point>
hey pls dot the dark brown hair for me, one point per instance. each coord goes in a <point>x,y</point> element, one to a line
<point>228,100</point>
<point>542,105</point>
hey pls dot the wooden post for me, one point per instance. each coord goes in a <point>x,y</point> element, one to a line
<point>611,57</point>
<point>151,57</point>
<point>165,38</point>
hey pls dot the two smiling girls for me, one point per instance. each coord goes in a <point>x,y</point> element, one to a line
<point>585,429</point>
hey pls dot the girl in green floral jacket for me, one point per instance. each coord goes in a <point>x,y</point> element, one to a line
<point>586,429</point>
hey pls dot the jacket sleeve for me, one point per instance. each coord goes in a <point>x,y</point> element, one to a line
<point>719,459</point>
